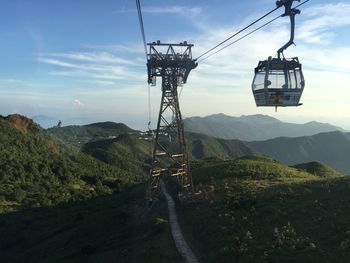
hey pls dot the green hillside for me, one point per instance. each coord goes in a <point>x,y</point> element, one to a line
<point>39,170</point>
<point>117,144</point>
<point>256,209</point>
<point>202,146</point>
<point>248,167</point>
<point>332,148</point>
<point>317,168</point>
<point>132,151</point>
<point>58,204</point>
<point>128,151</point>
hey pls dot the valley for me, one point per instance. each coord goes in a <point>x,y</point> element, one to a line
<point>78,193</point>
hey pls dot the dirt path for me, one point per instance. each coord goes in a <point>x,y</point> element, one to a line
<point>179,239</point>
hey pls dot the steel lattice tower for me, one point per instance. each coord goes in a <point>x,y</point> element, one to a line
<point>172,63</point>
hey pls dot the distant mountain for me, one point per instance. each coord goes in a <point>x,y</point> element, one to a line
<point>252,127</point>
<point>80,135</point>
<point>202,147</point>
<point>332,148</point>
<point>121,146</point>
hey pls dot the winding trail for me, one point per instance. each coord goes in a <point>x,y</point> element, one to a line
<point>180,242</point>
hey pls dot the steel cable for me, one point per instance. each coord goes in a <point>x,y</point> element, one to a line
<point>139,12</point>
<point>251,32</point>
<point>240,31</point>
<point>235,34</point>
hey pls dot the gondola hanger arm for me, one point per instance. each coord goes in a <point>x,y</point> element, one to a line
<point>291,12</point>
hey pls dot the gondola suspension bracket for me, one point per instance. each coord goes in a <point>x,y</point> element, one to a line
<point>291,12</point>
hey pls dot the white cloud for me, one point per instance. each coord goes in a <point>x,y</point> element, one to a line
<point>77,104</point>
<point>86,75</point>
<point>320,20</point>
<point>11,80</point>
<point>96,57</point>
<point>88,67</point>
<point>116,48</point>
<point>177,10</point>
<point>92,65</point>
<point>63,73</point>
<point>59,63</point>
<point>104,82</point>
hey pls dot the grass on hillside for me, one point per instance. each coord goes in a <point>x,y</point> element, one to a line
<point>127,152</point>
<point>258,210</point>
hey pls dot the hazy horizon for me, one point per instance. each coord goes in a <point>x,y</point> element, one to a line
<point>140,123</point>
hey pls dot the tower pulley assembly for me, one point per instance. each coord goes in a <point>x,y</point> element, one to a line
<point>279,82</point>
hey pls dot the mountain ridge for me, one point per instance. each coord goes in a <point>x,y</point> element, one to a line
<point>81,134</point>
<point>253,127</point>
<point>133,145</point>
<point>331,148</point>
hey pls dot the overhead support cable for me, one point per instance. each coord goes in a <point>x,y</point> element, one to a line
<point>139,12</point>
<point>251,32</point>
<point>301,3</point>
<point>235,34</point>
<point>149,107</point>
<point>240,31</point>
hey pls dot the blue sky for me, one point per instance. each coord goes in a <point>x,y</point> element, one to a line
<point>82,61</point>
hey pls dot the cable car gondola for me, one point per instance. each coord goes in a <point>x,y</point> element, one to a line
<point>279,82</point>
